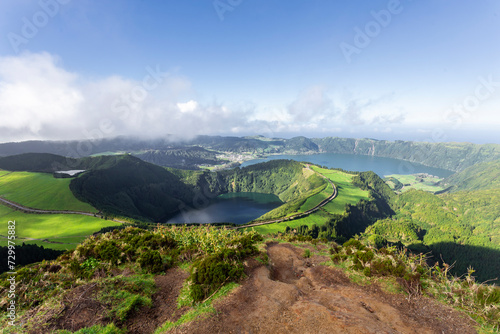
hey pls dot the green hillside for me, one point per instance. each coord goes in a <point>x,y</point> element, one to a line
<point>40,191</point>
<point>481,176</point>
<point>49,163</point>
<point>133,188</point>
<point>331,221</point>
<point>38,162</point>
<point>462,228</point>
<point>56,231</point>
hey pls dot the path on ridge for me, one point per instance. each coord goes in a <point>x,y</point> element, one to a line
<point>298,215</point>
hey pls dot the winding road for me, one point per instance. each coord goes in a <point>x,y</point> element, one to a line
<point>298,215</point>
<point>26,209</point>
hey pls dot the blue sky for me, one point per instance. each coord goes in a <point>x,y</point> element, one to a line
<point>408,69</point>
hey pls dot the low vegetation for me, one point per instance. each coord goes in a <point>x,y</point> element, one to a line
<point>418,276</point>
<point>214,257</point>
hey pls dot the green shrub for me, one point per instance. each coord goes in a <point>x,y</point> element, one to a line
<point>307,253</point>
<point>339,257</point>
<point>263,258</point>
<point>150,260</point>
<point>361,258</point>
<point>108,251</point>
<point>89,267</point>
<point>212,272</point>
<point>353,243</point>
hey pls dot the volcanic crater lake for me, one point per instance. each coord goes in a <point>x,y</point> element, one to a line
<point>240,208</point>
<point>237,208</point>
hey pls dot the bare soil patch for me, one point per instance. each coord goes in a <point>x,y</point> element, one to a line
<point>146,320</point>
<point>82,309</point>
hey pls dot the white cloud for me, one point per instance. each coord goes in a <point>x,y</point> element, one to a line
<point>311,105</point>
<point>39,99</point>
<point>189,106</point>
<point>34,92</point>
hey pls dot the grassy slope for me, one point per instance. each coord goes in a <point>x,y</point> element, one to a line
<point>429,183</point>
<point>347,194</point>
<point>68,229</point>
<point>41,191</point>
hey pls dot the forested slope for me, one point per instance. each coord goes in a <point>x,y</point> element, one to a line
<point>481,176</point>
<point>461,228</point>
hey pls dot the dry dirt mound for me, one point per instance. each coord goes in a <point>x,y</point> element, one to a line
<point>295,295</point>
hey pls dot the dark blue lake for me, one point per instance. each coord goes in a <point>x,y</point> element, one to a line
<point>238,208</point>
<point>360,163</point>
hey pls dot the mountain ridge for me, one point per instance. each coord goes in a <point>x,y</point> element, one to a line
<point>458,155</point>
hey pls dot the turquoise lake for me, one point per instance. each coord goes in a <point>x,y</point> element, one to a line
<point>240,208</point>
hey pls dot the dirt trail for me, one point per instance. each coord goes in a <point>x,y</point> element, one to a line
<point>297,295</point>
<point>290,295</point>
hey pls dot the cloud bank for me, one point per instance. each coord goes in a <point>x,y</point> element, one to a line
<point>40,99</point>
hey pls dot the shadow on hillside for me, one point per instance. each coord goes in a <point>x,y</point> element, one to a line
<point>485,261</point>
